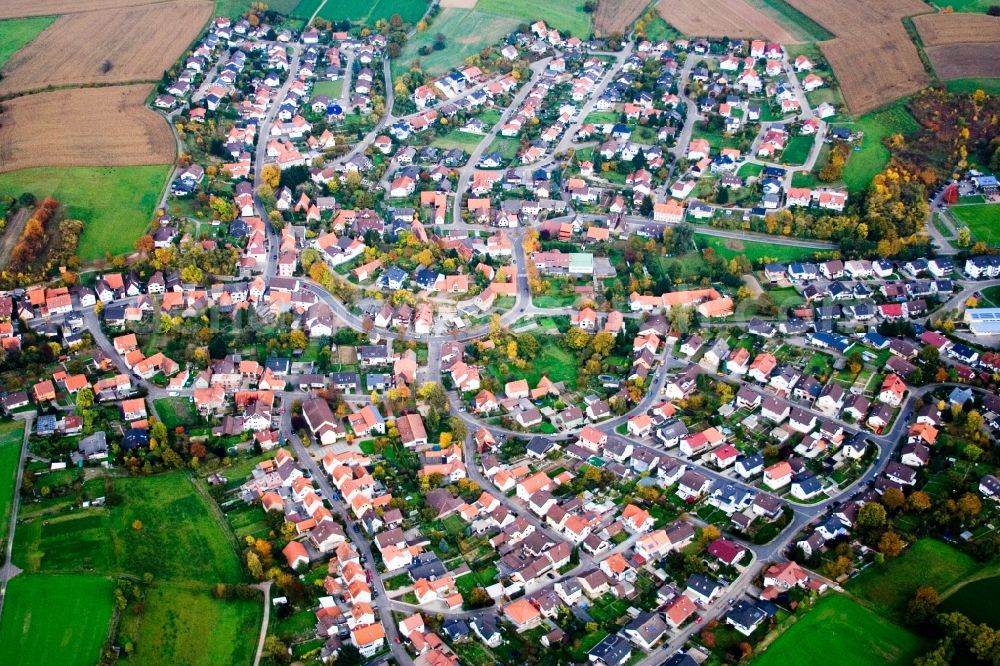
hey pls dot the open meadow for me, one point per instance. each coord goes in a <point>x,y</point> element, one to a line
<point>866,163</point>
<point>107,46</point>
<point>754,251</point>
<point>115,203</point>
<point>888,588</point>
<point>838,630</point>
<point>58,609</point>
<point>566,16</point>
<point>976,600</point>
<point>11,437</point>
<point>16,33</point>
<point>369,11</point>
<point>466,31</point>
<point>109,127</point>
<point>55,620</point>
<point>721,18</point>
<point>189,626</point>
<point>174,522</point>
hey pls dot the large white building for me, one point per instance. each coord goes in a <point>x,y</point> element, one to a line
<point>983,321</point>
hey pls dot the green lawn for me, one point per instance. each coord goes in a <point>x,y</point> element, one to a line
<point>602,117</point>
<point>797,150</point>
<point>236,8</point>
<point>17,33</point>
<point>456,138</point>
<point>749,170</point>
<point>753,250</point>
<point>305,8</point>
<point>182,626</point>
<point>991,297</point>
<point>55,620</point>
<point>176,412</point>
<point>176,523</point>
<point>554,361</point>
<point>508,147</point>
<point>369,11</point>
<point>990,85</point>
<point>983,221</point>
<point>466,31</point>
<point>977,601</point>
<point>838,630</point>
<point>116,203</point>
<point>565,16</point>
<point>888,588</point>
<point>11,436</point>
<point>331,89</point>
<point>865,164</point>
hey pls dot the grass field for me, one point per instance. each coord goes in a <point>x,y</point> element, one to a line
<point>332,89</point>
<point>565,16</point>
<point>306,8</point>
<point>966,5</point>
<point>798,24</point>
<point>55,620</point>
<point>175,522</point>
<point>508,147</point>
<point>176,412</point>
<point>370,11</point>
<point>458,139</point>
<point>983,221</point>
<point>466,31</point>
<point>838,630</point>
<point>888,588</point>
<point>15,33</point>
<point>181,626</point>
<point>865,164</point>
<point>115,203</point>
<point>975,601</point>
<point>797,150</point>
<point>552,360</point>
<point>753,250</point>
<point>991,86</point>
<point>11,436</point>
<point>236,8</point>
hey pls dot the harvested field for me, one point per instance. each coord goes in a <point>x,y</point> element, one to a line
<point>873,72</point>
<point>18,8</point>
<point>458,4</point>
<point>959,61</point>
<point>944,29</point>
<point>616,17</point>
<point>721,18</point>
<point>108,46</point>
<point>873,57</point>
<point>107,127</point>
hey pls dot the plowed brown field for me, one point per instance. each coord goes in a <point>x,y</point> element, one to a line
<point>106,46</point>
<point>721,18</point>
<point>84,127</point>
<point>874,59</point>
<point>616,17</point>
<point>943,29</point>
<point>17,8</point>
<point>960,61</point>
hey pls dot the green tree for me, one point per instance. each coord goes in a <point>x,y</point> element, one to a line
<point>871,516</point>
